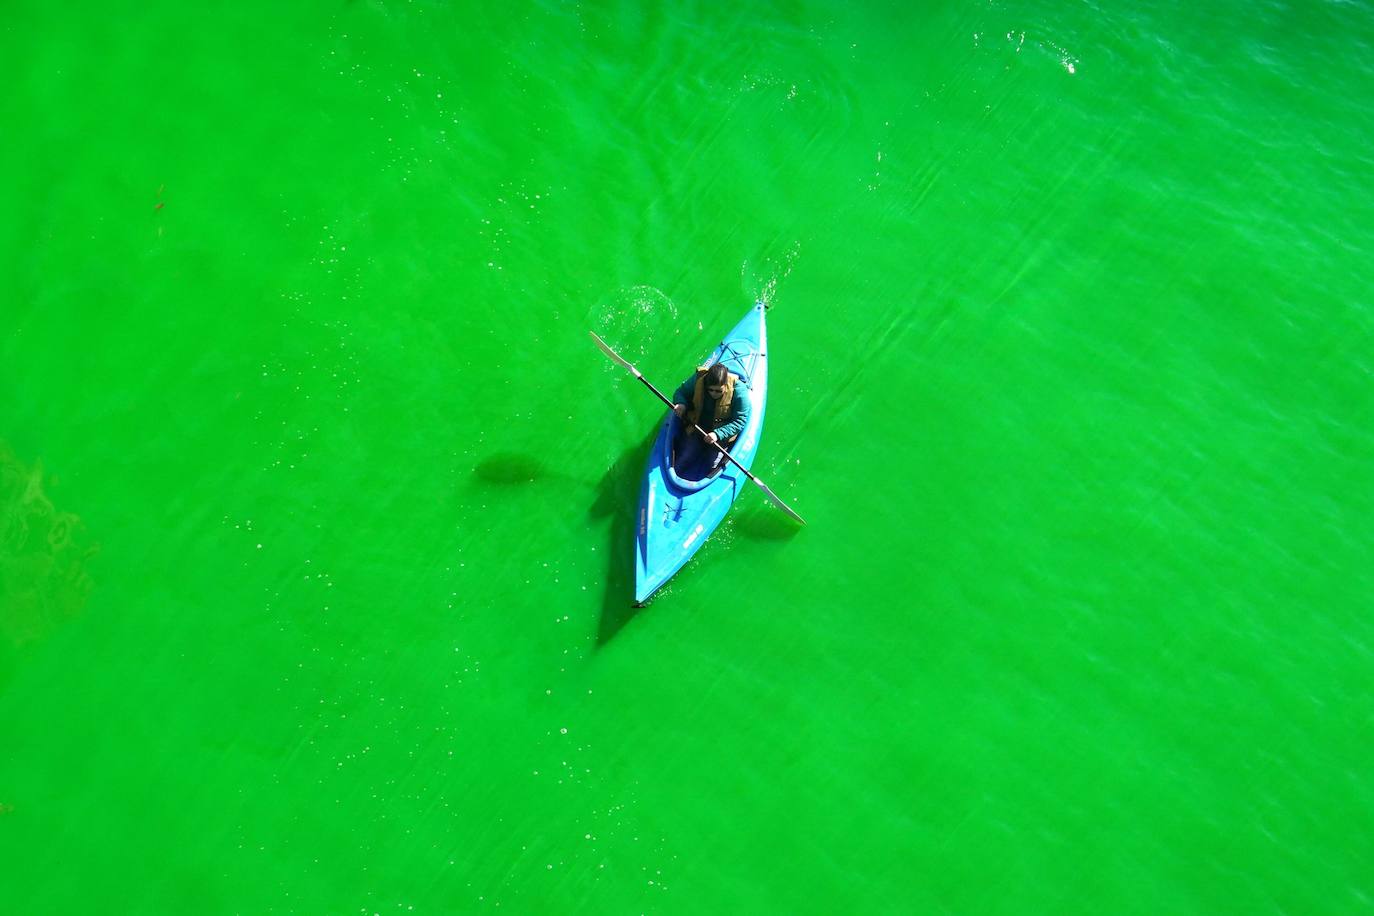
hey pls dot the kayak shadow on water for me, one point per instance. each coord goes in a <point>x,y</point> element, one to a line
<point>617,496</point>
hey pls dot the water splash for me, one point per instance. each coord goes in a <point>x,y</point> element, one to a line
<point>1018,40</point>
<point>631,319</point>
<point>760,283</point>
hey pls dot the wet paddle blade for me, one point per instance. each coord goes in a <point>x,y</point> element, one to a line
<point>778,502</point>
<point>606,348</point>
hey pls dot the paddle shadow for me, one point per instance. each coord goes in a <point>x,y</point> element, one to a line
<point>509,469</point>
<point>618,497</point>
<point>766,523</point>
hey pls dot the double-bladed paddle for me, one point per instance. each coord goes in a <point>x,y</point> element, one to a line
<point>605,348</point>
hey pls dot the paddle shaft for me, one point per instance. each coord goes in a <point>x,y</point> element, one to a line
<point>723,450</point>
<point>606,348</point>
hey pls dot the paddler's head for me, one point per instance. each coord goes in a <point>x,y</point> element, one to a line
<point>716,377</point>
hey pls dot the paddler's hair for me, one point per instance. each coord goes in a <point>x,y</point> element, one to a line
<point>717,375</point>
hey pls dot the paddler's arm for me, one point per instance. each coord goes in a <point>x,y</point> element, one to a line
<point>740,406</point>
<point>683,396</point>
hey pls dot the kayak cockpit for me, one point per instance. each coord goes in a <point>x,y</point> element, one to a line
<point>691,478</point>
<point>741,356</point>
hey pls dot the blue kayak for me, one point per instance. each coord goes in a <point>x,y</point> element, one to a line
<point>677,515</point>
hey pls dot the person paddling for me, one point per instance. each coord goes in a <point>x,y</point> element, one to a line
<point>713,400</point>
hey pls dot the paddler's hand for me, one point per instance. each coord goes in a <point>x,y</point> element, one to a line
<point>711,438</point>
<point>680,409</point>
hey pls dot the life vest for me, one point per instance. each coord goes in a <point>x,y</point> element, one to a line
<point>699,399</point>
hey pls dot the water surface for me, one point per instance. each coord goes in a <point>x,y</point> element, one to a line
<point>316,498</point>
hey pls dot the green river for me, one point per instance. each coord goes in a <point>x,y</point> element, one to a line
<point>316,499</point>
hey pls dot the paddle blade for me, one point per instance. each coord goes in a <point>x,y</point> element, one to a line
<point>778,502</point>
<point>606,348</point>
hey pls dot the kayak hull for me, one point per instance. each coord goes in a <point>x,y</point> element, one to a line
<point>676,516</point>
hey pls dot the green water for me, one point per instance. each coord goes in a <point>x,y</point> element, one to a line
<point>315,497</point>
